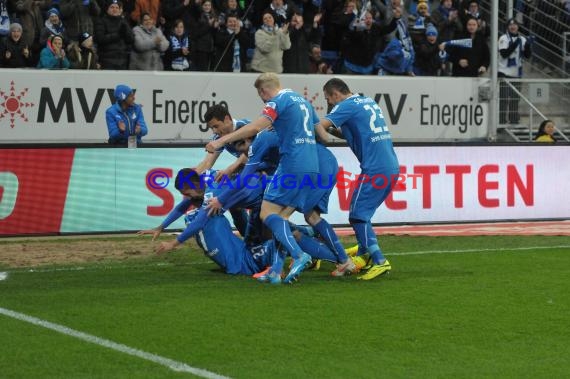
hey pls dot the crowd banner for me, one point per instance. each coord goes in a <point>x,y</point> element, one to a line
<point>79,190</point>
<point>69,106</point>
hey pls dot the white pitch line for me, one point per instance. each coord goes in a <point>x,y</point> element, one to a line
<point>169,363</point>
<point>95,267</point>
<point>480,250</point>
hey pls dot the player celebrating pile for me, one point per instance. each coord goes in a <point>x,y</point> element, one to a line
<point>362,124</point>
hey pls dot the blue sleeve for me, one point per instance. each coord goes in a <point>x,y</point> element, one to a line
<point>195,226</point>
<point>229,197</point>
<point>257,151</point>
<point>338,115</point>
<point>141,121</point>
<point>176,213</point>
<point>114,131</point>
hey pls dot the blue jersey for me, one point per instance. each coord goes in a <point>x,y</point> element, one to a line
<point>362,124</point>
<point>263,154</point>
<point>294,120</point>
<point>227,250</point>
<point>230,147</point>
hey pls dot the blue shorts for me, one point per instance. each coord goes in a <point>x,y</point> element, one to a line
<point>326,180</point>
<point>290,190</point>
<point>370,194</point>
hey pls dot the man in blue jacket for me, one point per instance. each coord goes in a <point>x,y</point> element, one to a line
<point>125,120</point>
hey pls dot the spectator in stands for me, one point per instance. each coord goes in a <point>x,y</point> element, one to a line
<point>363,41</point>
<point>232,42</point>
<point>316,63</point>
<point>14,53</point>
<point>4,20</point>
<point>446,20</point>
<point>395,59</point>
<point>296,59</point>
<point>53,55</point>
<point>472,10</point>
<point>151,7</point>
<point>233,7</point>
<point>337,16</point>
<point>149,45</point>
<point>125,120</point>
<point>202,36</point>
<point>546,132</point>
<point>177,57</point>
<point>421,17</point>
<point>184,10</point>
<point>403,34</point>
<point>53,26</point>
<point>469,61</point>
<point>30,16</point>
<point>413,6</point>
<point>427,61</point>
<point>512,48</point>
<point>283,11</point>
<point>82,54</point>
<point>114,38</point>
<point>270,42</point>
<point>79,17</point>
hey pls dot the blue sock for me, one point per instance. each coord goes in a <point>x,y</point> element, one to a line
<point>282,233</point>
<point>331,239</point>
<point>367,240</point>
<point>278,260</point>
<point>316,249</point>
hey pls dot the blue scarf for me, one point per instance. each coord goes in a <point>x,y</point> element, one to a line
<point>178,44</point>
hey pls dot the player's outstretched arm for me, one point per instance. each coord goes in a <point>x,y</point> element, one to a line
<point>208,162</point>
<point>246,131</point>
<point>165,247</point>
<point>154,231</point>
<point>330,128</point>
<point>322,134</point>
<point>234,167</point>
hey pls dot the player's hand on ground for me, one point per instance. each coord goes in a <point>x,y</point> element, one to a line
<point>155,232</point>
<point>165,247</point>
<point>214,206</point>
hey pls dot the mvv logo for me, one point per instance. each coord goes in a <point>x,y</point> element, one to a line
<point>65,104</point>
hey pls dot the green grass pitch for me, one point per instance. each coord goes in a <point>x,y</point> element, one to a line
<point>499,310</point>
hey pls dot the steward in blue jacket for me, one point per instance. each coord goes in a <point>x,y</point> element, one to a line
<point>125,118</point>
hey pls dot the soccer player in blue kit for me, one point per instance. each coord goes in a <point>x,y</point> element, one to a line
<point>362,124</point>
<point>219,119</point>
<point>213,233</point>
<point>293,119</point>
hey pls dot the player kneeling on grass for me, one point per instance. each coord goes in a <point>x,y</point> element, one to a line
<point>213,233</point>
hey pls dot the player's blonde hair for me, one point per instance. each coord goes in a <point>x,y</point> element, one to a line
<point>267,80</point>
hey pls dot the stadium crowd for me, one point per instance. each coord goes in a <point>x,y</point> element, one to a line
<point>385,37</point>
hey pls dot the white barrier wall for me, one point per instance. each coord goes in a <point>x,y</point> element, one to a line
<point>69,106</point>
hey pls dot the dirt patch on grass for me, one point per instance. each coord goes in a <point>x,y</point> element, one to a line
<point>30,253</point>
